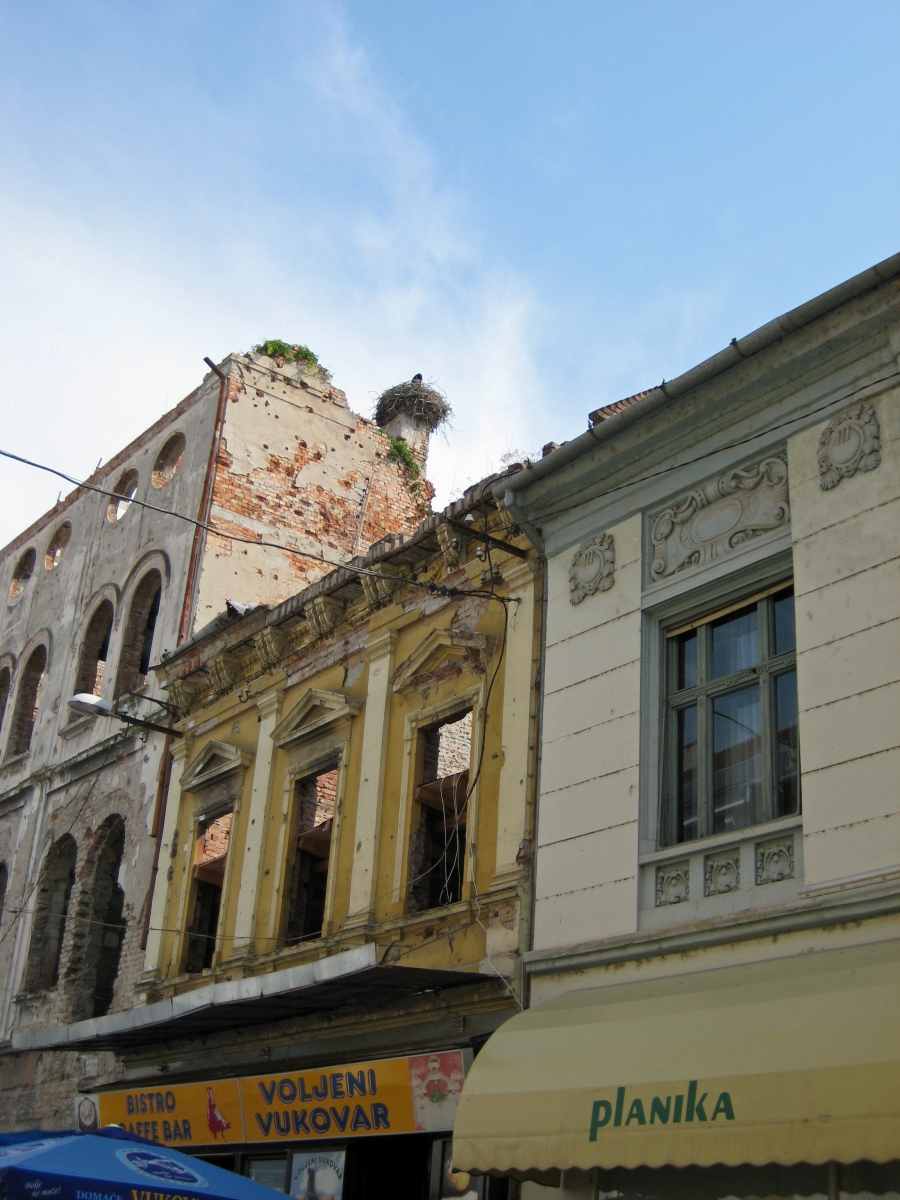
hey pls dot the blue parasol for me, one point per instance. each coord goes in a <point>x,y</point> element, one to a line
<point>112,1165</point>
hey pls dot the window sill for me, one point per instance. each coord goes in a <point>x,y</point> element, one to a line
<point>15,760</point>
<point>76,726</point>
<point>718,840</point>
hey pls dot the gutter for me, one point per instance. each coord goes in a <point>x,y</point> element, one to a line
<point>739,349</point>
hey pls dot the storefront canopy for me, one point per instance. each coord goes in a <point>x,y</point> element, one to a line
<point>786,1061</point>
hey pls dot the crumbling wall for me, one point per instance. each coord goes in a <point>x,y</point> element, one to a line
<point>295,465</point>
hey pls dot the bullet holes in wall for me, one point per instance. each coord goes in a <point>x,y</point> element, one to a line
<point>168,460</point>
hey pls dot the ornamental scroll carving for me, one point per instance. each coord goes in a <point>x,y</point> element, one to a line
<point>775,861</point>
<point>673,884</point>
<point>723,873</point>
<point>719,516</point>
<point>849,443</point>
<point>593,568</point>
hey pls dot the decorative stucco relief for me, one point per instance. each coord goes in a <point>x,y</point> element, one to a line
<point>593,568</point>
<point>712,520</point>
<point>849,443</point>
<point>775,861</point>
<point>723,873</point>
<point>673,884</point>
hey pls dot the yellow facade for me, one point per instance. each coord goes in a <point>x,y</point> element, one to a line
<point>354,677</point>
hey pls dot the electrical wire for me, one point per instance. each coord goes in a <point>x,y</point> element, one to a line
<point>118,737</point>
<point>210,528</point>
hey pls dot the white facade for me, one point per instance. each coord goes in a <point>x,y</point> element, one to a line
<point>776,464</point>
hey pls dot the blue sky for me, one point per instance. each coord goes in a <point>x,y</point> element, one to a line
<point>543,206</point>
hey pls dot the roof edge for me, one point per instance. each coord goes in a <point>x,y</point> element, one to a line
<point>734,353</point>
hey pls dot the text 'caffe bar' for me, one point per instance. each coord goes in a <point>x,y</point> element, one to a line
<point>309,1132</point>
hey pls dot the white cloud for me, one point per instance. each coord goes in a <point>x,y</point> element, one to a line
<point>105,319</point>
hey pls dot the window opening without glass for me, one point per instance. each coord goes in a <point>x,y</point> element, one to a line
<point>98,925</point>
<point>210,855</point>
<point>307,868</point>
<point>124,489</point>
<point>94,649</point>
<point>57,546</point>
<point>24,569</point>
<point>5,680</point>
<point>51,908</point>
<point>137,638</point>
<point>437,845</point>
<point>168,460</point>
<point>27,702</point>
<point>731,745</point>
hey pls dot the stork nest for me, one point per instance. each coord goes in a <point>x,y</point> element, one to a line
<point>419,399</point>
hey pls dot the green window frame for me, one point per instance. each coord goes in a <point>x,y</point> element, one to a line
<point>731,755</point>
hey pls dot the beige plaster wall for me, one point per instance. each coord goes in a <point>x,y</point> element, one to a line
<point>847,582</point>
<point>587,861</point>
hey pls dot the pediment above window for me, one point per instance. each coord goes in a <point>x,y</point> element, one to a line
<point>313,712</point>
<point>440,654</point>
<point>215,761</point>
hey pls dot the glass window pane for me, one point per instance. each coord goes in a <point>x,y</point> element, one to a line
<point>787,768</point>
<point>737,760</point>
<point>735,642</point>
<point>269,1171</point>
<point>785,633</point>
<point>687,660</point>
<point>687,775</point>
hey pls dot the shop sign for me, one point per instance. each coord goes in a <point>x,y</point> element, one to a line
<point>394,1095</point>
<point>182,1114</point>
<point>318,1174</point>
<point>688,1106</point>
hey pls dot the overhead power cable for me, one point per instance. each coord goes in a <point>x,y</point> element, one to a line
<point>441,589</point>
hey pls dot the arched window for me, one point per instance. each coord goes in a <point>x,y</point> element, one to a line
<point>94,649</point>
<point>98,926</point>
<point>137,641</point>
<point>51,907</point>
<point>4,880</point>
<point>5,678</point>
<point>27,702</point>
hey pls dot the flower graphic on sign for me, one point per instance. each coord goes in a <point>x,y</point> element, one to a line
<point>214,1118</point>
<point>436,1081</point>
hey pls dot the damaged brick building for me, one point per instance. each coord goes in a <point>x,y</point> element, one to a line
<point>114,577</point>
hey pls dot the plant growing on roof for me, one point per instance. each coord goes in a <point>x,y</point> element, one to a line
<point>284,351</point>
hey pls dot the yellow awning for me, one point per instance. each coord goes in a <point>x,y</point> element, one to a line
<point>788,1061</point>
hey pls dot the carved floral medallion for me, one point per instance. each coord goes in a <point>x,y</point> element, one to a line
<point>723,873</point>
<point>673,884</point>
<point>849,443</point>
<point>593,568</point>
<point>716,518</point>
<point>775,861</point>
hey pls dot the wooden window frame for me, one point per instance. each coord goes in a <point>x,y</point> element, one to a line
<point>768,669</point>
